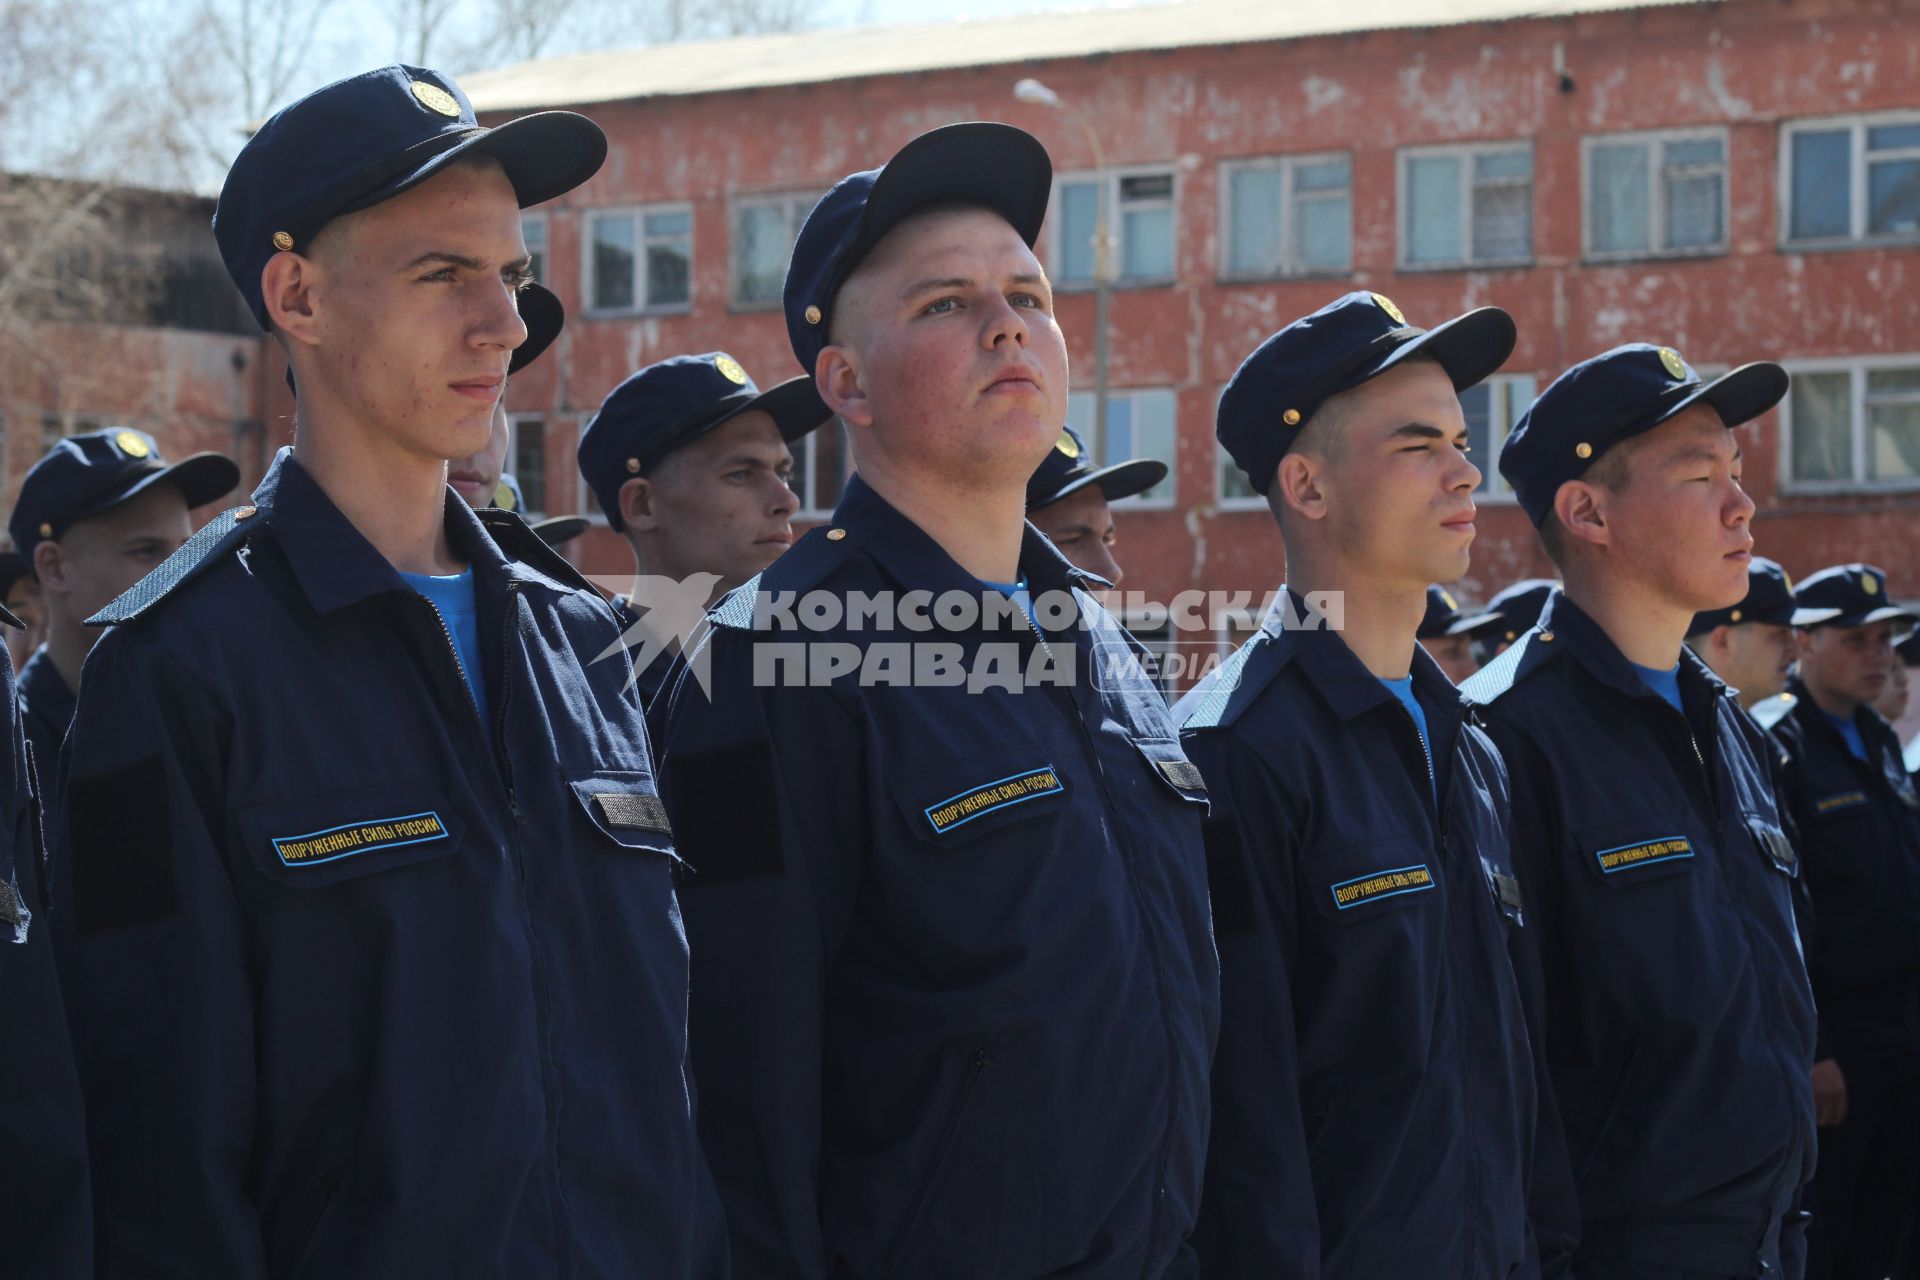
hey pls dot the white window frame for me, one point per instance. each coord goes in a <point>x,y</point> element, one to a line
<point>1655,141</point>
<point>1497,492</point>
<point>1221,501</point>
<point>1465,152</point>
<point>1289,268</point>
<point>514,421</point>
<point>797,205</point>
<point>540,220</point>
<point>637,212</point>
<point>1097,438</point>
<point>1115,175</point>
<point>1857,234</point>
<point>803,451</point>
<point>1858,367</point>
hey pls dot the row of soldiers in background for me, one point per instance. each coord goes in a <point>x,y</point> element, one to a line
<point>1508,986</point>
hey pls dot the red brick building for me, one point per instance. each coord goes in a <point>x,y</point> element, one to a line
<point>1739,180</point>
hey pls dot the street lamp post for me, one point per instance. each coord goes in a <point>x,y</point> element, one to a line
<point>1033,91</point>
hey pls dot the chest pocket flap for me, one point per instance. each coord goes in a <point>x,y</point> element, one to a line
<point>625,807</point>
<point>1171,766</point>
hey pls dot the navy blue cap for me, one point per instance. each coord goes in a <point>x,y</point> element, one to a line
<point>1847,595</point>
<point>553,530</point>
<point>1616,396</point>
<point>1769,599</point>
<point>87,474</point>
<point>668,405</point>
<point>1511,613</point>
<point>1357,337</point>
<point>995,165</point>
<point>1068,468</point>
<point>13,567</point>
<point>363,140</point>
<point>1443,611</point>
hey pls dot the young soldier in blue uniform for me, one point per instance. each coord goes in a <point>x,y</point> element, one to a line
<point>1068,499</point>
<point>955,989</point>
<point>1749,645</point>
<point>1676,1014</point>
<point>45,1209</point>
<point>1858,819</point>
<point>690,462</point>
<point>95,516</point>
<point>371,948</point>
<point>1374,1094</point>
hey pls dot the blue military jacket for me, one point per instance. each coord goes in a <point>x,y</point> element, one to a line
<point>1374,1095</point>
<point>955,991</point>
<point>45,1214</point>
<point>46,710</point>
<point>361,985</point>
<point>1677,1016</point>
<point>1859,828</point>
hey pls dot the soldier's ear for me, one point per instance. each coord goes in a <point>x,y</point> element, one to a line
<point>287,287</point>
<point>636,505</point>
<point>1581,512</point>
<point>1300,485</point>
<point>836,372</point>
<point>50,566</point>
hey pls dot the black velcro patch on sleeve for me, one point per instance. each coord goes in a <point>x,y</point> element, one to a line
<point>634,811</point>
<point>726,810</point>
<point>1227,881</point>
<point>120,844</point>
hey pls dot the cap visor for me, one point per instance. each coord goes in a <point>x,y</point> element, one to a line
<point>544,317</point>
<point>1468,347</point>
<point>1738,396</point>
<point>996,165</point>
<point>1479,621</point>
<point>1861,618</point>
<point>544,155</point>
<point>794,405</point>
<point>558,529</point>
<point>200,478</point>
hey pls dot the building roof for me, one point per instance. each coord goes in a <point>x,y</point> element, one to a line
<point>840,53</point>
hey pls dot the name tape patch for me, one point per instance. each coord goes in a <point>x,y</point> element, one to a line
<point>1183,774</point>
<point>634,811</point>
<point>356,838</point>
<point>1840,803</point>
<point>977,802</point>
<point>1644,854</point>
<point>1382,884</point>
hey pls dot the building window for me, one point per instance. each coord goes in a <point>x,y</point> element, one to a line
<point>764,229</point>
<point>1288,215</point>
<point>528,464</point>
<point>533,230</point>
<point>639,259</point>
<point>1853,425</point>
<point>1650,195</point>
<point>1466,206</point>
<point>1140,424</point>
<point>1141,225</point>
<point>1491,408</point>
<point>820,466</point>
<point>1852,179</point>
